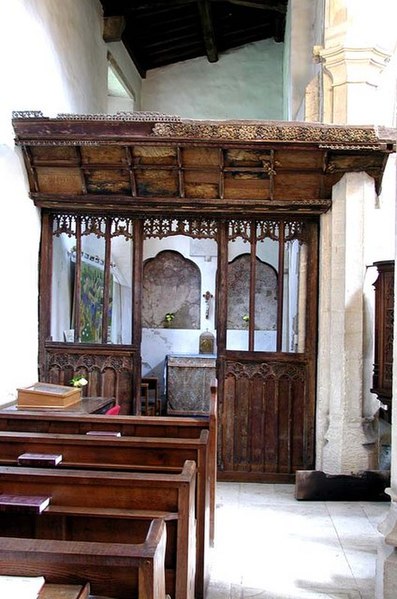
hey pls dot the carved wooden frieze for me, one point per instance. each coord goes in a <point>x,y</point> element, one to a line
<point>88,361</point>
<point>136,162</point>
<point>265,370</point>
<point>279,132</point>
<point>109,371</point>
<point>198,228</point>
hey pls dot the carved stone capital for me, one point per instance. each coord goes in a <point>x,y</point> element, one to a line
<point>354,65</point>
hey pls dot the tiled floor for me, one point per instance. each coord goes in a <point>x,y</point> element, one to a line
<point>271,546</point>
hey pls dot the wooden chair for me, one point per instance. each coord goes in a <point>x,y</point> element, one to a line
<point>150,401</point>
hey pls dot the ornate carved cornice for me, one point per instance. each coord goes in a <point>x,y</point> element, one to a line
<point>148,162</point>
<point>141,117</point>
<point>280,132</point>
<point>334,137</point>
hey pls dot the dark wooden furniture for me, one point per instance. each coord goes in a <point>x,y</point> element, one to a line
<point>137,454</point>
<point>165,426</point>
<point>152,176</point>
<point>87,405</point>
<point>101,506</point>
<point>116,570</point>
<point>315,485</point>
<point>151,402</point>
<point>382,380</point>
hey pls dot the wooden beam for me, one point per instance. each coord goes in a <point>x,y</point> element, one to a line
<point>113,28</point>
<point>279,7</point>
<point>169,4</point>
<point>208,30</point>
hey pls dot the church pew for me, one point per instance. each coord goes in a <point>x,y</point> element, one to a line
<point>122,571</point>
<point>143,426</point>
<point>124,453</point>
<point>87,505</point>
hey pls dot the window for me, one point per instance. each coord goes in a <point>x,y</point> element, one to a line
<point>91,279</point>
<point>121,97</point>
<point>266,291</point>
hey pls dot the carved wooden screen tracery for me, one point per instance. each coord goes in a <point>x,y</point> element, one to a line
<point>281,244</point>
<point>196,228</point>
<point>92,269</point>
<point>267,372</point>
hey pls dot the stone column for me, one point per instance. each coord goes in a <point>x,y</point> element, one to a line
<point>359,40</point>
<point>343,445</point>
<point>352,64</point>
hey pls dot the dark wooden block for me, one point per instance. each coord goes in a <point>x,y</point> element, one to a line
<point>315,485</point>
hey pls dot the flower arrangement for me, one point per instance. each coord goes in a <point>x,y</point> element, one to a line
<point>79,381</point>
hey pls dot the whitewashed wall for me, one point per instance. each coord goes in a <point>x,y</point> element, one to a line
<point>53,60</point>
<point>304,31</point>
<point>246,83</point>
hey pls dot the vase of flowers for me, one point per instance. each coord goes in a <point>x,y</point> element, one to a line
<point>79,381</point>
<point>168,318</point>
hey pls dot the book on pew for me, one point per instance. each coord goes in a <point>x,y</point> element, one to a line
<point>21,587</point>
<point>104,433</point>
<point>40,459</point>
<point>23,503</point>
<point>65,591</point>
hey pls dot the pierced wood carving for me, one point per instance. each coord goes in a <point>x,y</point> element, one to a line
<point>276,370</point>
<point>293,229</point>
<point>95,225</point>
<point>164,227</point>
<point>110,371</point>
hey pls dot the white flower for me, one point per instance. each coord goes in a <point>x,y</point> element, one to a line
<point>79,381</point>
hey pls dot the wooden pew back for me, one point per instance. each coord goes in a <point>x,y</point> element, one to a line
<point>116,570</point>
<point>142,426</point>
<point>102,506</point>
<point>127,454</point>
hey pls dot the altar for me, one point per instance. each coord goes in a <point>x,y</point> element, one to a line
<point>187,381</point>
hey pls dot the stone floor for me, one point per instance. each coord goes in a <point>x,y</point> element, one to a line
<point>271,546</point>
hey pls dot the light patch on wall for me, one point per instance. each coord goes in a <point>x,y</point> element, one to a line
<point>121,97</point>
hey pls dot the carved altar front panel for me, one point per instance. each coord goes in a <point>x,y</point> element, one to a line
<point>110,371</point>
<point>189,380</point>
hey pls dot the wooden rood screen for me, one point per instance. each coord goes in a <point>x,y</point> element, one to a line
<point>267,360</point>
<point>256,189</point>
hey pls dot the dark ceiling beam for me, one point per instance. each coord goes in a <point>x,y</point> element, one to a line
<point>113,28</point>
<point>279,7</point>
<point>159,4</point>
<point>208,30</point>
<point>273,5</point>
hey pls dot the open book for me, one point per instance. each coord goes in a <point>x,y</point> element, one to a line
<point>21,587</point>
